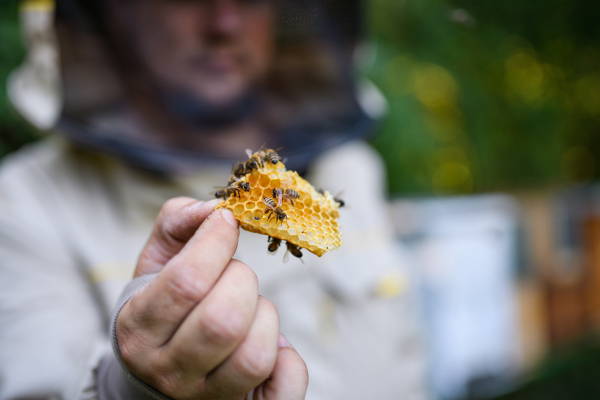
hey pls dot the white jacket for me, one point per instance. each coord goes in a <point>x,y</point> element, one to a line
<point>73,224</point>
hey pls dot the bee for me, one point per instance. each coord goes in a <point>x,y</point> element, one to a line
<point>255,161</point>
<point>295,250</point>
<point>274,244</point>
<point>273,209</point>
<point>235,181</point>
<point>238,170</point>
<point>233,189</point>
<point>289,194</point>
<point>337,199</point>
<point>271,156</point>
<point>221,194</point>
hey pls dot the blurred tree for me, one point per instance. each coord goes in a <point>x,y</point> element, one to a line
<point>14,131</point>
<point>487,95</point>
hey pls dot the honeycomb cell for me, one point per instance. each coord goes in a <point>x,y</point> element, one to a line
<point>257,215</point>
<point>264,181</point>
<point>238,210</point>
<point>311,221</point>
<point>253,179</point>
<point>247,217</point>
<point>256,195</point>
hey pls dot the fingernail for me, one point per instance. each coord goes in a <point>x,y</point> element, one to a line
<point>228,216</point>
<point>283,342</point>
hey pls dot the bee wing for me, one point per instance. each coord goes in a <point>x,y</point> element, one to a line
<point>340,193</point>
<point>286,256</point>
<point>249,153</point>
<point>302,261</point>
<point>272,253</point>
<point>267,204</point>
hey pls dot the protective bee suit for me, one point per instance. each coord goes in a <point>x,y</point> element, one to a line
<point>77,207</point>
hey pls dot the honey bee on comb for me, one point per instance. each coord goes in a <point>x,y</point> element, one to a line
<point>274,244</point>
<point>255,161</point>
<point>272,156</point>
<point>308,220</point>
<point>294,250</point>
<point>234,189</point>
<point>289,194</point>
<point>273,209</point>
<point>238,170</point>
<point>337,199</point>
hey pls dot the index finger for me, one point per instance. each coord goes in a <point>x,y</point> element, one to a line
<point>178,220</point>
<point>155,312</point>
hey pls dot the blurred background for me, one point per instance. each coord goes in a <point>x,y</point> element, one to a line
<point>492,146</point>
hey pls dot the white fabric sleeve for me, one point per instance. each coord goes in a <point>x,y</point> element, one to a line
<point>114,380</point>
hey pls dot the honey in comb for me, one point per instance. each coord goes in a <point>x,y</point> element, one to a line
<point>311,222</point>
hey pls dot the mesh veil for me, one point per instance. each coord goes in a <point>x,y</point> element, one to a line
<point>305,102</point>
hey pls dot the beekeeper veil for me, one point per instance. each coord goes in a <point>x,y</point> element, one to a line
<point>171,85</point>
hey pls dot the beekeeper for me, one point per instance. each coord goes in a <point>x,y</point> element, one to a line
<point>117,279</point>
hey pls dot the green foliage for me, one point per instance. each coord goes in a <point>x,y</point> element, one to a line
<point>14,132</point>
<point>487,95</point>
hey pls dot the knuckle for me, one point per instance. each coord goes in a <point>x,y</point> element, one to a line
<point>244,273</point>
<point>185,287</point>
<point>126,340</point>
<point>162,373</point>
<point>268,306</point>
<point>127,348</point>
<point>256,361</point>
<point>167,383</point>
<point>223,328</point>
<point>132,348</point>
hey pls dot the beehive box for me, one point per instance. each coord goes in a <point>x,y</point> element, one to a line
<point>311,222</point>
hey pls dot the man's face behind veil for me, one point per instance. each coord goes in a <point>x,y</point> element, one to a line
<point>214,50</point>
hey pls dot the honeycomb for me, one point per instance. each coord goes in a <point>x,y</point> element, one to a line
<point>311,221</point>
